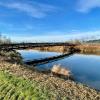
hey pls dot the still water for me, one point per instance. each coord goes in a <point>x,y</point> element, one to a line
<point>85,68</point>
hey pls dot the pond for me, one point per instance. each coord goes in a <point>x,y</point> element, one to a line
<point>85,68</point>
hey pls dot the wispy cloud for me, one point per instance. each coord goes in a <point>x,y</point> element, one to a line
<point>19,29</point>
<point>89,35</point>
<point>34,9</point>
<point>86,6</point>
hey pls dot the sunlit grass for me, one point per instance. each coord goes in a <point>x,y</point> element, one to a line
<point>15,88</point>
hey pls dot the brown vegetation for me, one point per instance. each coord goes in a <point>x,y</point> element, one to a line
<point>60,89</point>
<point>61,71</point>
<point>60,49</point>
<point>89,48</point>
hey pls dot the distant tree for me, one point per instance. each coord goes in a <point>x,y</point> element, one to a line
<point>76,41</point>
<point>4,39</point>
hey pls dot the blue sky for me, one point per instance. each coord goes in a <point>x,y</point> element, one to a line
<point>50,20</point>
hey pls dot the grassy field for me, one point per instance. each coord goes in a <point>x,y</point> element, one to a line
<point>15,88</point>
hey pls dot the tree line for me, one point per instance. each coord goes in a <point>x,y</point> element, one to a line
<point>4,39</point>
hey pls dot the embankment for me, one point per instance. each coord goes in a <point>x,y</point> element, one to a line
<point>44,85</point>
<point>89,48</point>
<point>60,49</point>
<point>82,48</point>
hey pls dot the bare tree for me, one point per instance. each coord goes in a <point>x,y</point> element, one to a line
<point>4,39</point>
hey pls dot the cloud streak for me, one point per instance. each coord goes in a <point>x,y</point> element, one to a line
<point>34,9</point>
<point>57,38</point>
<point>86,6</point>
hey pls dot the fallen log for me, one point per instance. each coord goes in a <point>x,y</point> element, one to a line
<point>48,59</point>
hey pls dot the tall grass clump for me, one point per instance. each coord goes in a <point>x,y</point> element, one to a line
<point>12,56</point>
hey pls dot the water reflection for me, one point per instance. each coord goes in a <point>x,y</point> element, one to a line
<point>35,54</point>
<point>85,68</point>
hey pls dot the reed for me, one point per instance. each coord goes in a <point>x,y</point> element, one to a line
<point>61,71</point>
<point>89,48</point>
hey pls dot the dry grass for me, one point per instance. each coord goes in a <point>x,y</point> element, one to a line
<point>61,71</point>
<point>89,48</point>
<point>58,88</point>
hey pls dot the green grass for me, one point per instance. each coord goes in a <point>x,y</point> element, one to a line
<point>15,88</point>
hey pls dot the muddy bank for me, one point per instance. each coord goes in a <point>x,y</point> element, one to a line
<point>60,87</point>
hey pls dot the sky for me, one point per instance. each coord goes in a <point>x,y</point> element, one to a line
<point>50,20</point>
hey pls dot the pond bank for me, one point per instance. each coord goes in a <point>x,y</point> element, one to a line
<point>59,88</point>
<point>89,48</point>
<point>82,48</point>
